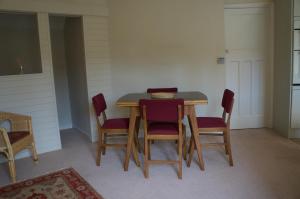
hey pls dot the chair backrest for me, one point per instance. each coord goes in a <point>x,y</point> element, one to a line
<point>162,110</point>
<point>99,104</point>
<point>162,90</point>
<point>227,101</point>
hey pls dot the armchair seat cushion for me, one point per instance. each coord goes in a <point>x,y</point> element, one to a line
<point>116,123</point>
<point>210,122</point>
<point>162,128</point>
<point>15,136</point>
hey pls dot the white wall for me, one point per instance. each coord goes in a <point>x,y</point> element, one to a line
<point>60,72</point>
<point>153,43</point>
<point>168,43</point>
<point>98,68</point>
<point>282,67</point>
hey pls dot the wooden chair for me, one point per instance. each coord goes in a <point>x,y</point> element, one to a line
<point>109,128</point>
<point>211,125</point>
<point>19,138</point>
<point>162,90</point>
<point>162,120</point>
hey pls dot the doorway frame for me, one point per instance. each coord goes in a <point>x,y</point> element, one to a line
<point>87,133</point>
<point>269,5</point>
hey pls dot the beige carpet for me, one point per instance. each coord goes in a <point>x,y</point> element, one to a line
<point>266,166</point>
<point>297,141</point>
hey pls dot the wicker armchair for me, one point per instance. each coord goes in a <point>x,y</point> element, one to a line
<point>19,138</point>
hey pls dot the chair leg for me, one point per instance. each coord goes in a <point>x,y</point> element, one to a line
<point>225,141</point>
<point>99,149</point>
<point>136,137</point>
<point>184,144</point>
<point>137,142</point>
<point>104,137</point>
<point>149,149</point>
<point>146,166</point>
<point>180,158</point>
<point>34,153</point>
<point>189,148</point>
<point>135,154</point>
<point>229,147</point>
<point>191,152</point>
<point>12,169</point>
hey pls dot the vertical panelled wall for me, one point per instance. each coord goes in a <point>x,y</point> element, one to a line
<point>33,94</point>
<point>98,71</point>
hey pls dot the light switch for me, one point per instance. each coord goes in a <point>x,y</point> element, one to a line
<point>221,60</point>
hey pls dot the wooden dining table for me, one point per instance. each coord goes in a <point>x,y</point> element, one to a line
<point>191,99</point>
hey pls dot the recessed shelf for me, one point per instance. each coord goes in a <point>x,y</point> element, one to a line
<point>20,46</point>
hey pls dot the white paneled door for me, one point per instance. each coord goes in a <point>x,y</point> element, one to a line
<point>248,38</point>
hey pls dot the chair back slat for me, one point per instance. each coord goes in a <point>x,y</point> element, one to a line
<point>162,90</point>
<point>99,104</point>
<point>227,101</point>
<point>162,110</point>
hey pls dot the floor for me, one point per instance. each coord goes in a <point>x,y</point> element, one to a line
<point>266,166</point>
<point>297,141</point>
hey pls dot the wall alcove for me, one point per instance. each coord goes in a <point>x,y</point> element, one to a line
<point>20,48</point>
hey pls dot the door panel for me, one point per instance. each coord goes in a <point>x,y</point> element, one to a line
<point>248,72</point>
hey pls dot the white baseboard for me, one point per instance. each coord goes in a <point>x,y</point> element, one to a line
<point>295,133</point>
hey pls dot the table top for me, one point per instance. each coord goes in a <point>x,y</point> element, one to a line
<point>190,98</point>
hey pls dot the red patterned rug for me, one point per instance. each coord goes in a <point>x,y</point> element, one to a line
<point>65,183</point>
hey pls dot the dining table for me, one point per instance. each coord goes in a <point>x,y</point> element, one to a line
<point>191,100</point>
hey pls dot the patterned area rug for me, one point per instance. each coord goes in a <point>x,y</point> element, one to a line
<point>65,183</point>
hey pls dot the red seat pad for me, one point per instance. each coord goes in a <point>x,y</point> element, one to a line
<point>116,123</point>
<point>210,122</point>
<point>162,128</point>
<point>15,136</point>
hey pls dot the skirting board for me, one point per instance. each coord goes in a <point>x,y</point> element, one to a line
<point>295,133</point>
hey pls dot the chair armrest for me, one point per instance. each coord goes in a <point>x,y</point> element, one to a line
<point>5,146</point>
<point>18,122</point>
<point>4,140</point>
<point>13,116</point>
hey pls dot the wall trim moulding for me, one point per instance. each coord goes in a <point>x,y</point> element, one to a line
<point>248,5</point>
<point>54,7</point>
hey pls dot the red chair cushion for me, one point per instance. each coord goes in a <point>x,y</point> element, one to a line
<point>210,122</point>
<point>15,136</point>
<point>116,123</point>
<point>159,128</point>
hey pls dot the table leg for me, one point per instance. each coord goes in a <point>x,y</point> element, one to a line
<point>193,120</point>
<point>131,130</point>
